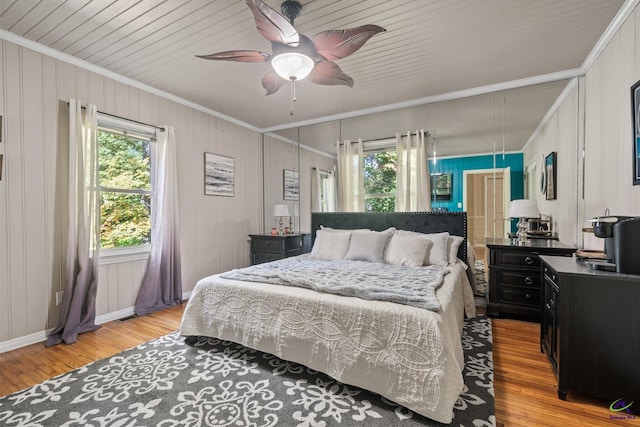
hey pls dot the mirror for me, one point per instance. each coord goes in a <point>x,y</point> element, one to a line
<point>281,182</point>
<point>478,140</point>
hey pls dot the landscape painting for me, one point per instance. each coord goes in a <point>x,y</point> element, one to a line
<point>218,175</point>
<point>291,185</point>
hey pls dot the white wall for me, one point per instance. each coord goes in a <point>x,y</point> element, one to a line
<point>34,91</point>
<point>595,118</point>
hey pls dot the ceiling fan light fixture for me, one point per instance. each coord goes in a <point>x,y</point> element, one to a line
<point>292,65</point>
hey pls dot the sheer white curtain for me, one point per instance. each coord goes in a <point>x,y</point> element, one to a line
<point>162,283</point>
<point>350,175</point>
<point>78,310</point>
<point>323,191</point>
<point>412,184</point>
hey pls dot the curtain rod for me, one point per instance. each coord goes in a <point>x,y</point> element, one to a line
<point>426,133</point>
<point>130,120</point>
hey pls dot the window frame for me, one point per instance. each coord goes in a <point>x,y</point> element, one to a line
<point>133,129</point>
<point>375,148</point>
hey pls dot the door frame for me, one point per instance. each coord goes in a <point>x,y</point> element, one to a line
<point>506,183</point>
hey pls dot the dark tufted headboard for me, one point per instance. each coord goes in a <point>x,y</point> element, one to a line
<point>423,222</point>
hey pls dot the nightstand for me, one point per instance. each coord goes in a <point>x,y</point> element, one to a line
<point>515,275</point>
<point>267,247</point>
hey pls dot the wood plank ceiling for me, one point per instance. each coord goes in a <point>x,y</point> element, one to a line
<point>432,49</point>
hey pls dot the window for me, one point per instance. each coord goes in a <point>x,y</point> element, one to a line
<point>124,157</point>
<point>380,181</point>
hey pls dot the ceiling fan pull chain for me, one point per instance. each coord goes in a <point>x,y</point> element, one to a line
<point>293,94</point>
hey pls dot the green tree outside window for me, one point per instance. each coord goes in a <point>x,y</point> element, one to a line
<point>125,190</point>
<point>380,181</point>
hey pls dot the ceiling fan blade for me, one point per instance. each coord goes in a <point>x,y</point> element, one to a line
<point>328,73</point>
<point>273,26</point>
<point>238,56</point>
<point>336,44</point>
<point>272,82</point>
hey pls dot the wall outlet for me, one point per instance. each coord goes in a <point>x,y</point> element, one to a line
<point>459,205</point>
<point>59,295</point>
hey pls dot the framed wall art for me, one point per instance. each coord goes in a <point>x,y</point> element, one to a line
<point>218,175</point>
<point>440,186</point>
<point>635,120</point>
<point>290,185</point>
<point>551,175</point>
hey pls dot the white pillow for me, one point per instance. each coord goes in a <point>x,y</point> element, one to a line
<point>453,243</point>
<point>437,255</point>
<point>330,245</point>
<point>368,246</point>
<point>407,250</point>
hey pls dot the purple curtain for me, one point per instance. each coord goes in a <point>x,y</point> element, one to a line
<point>78,311</point>
<point>162,283</point>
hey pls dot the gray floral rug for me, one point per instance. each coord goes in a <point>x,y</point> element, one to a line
<point>217,383</point>
<point>479,275</point>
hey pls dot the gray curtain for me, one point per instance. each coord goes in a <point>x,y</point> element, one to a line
<point>78,310</point>
<point>162,283</point>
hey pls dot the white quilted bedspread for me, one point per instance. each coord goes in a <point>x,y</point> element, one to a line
<point>409,355</point>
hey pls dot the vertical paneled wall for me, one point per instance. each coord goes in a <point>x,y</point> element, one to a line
<point>278,156</point>
<point>560,135</point>
<point>34,90</point>
<point>595,119</point>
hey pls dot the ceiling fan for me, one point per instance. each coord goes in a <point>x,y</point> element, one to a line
<point>295,56</point>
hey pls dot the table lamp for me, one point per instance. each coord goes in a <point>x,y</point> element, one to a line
<point>280,211</point>
<point>523,209</point>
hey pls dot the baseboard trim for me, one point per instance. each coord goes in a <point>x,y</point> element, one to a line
<point>16,343</point>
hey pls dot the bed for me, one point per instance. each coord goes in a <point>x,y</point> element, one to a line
<point>410,354</point>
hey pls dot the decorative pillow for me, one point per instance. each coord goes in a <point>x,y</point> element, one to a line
<point>437,255</point>
<point>453,243</point>
<point>330,245</point>
<point>407,250</point>
<point>368,246</point>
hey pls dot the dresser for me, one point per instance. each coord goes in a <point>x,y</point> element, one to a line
<point>267,247</point>
<point>590,330</point>
<point>515,276</point>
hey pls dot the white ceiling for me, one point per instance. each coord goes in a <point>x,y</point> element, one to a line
<point>433,50</point>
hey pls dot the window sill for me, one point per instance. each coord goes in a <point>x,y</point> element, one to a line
<point>126,254</point>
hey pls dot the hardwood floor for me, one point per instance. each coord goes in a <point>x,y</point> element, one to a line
<point>525,391</point>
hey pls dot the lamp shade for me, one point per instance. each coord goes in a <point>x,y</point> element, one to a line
<point>292,65</point>
<point>524,208</point>
<point>280,210</point>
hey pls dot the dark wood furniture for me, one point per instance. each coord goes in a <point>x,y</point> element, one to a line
<point>590,330</point>
<point>515,278</point>
<point>267,247</point>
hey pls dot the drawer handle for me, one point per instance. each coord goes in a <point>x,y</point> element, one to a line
<point>528,296</point>
<point>528,260</point>
<point>528,280</point>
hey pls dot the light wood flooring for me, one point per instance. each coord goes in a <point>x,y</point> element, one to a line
<point>525,390</point>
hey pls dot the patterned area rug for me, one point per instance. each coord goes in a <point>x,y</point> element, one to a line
<point>479,274</point>
<point>217,383</point>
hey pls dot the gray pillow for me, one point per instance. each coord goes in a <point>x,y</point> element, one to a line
<point>368,246</point>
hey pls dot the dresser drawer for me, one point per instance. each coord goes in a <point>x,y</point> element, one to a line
<point>520,295</point>
<point>268,245</point>
<point>521,278</point>
<point>518,259</point>
<point>260,257</point>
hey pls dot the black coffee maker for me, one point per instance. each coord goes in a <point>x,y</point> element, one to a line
<point>622,240</point>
